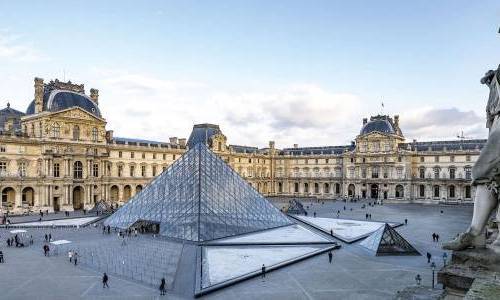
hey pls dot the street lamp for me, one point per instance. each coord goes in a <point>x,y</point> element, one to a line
<point>433,267</point>
<point>418,279</point>
<point>445,256</point>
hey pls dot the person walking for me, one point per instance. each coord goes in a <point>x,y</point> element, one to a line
<point>330,256</point>
<point>50,237</point>
<point>105,281</point>
<point>1,258</point>
<point>162,287</point>
<point>437,238</point>
<point>406,221</point>
<point>75,258</point>
<point>429,256</point>
<point>70,255</point>
<point>433,237</point>
<point>263,272</point>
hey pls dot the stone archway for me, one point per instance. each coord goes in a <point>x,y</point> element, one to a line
<point>8,198</point>
<point>138,189</point>
<point>351,190</point>
<point>114,194</point>
<point>127,193</point>
<point>400,192</point>
<point>78,197</point>
<point>374,191</point>
<point>28,196</point>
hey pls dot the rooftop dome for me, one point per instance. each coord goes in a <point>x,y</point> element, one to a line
<point>380,124</point>
<point>202,133</point>
<point>56,100</point>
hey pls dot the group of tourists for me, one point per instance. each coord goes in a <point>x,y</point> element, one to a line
<point>73,256</point>
<point>435,237</point>
<point>16,241</point>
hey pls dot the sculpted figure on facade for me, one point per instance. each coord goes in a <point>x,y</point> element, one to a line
<point>485,173</point>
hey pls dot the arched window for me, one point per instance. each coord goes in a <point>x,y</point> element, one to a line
<point>451,191</point>
<point>56,130</point>
<point>421,190</point>
<point>326,188</point>
<point>76,132</point>
<point>306,187</point>
<point>436,191</point>
<point>94,134</point>
<point>421,172</point>
<point>296,187</point>
<point>467,192</point>
<point>399,191</point>
<point>437,170</point>
<point>280,187</point>
<point>77,169</point>
<point>316,188</point>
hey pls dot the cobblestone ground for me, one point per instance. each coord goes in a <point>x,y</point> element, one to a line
<point>354,273</point>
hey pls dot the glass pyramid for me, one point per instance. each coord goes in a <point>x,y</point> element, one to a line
<point>387,241</point>
<point>199,198</point>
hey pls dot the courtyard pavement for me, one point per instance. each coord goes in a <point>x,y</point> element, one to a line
<point>354,274</point>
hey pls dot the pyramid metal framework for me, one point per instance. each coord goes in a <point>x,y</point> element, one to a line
<point>199,198</point>
<point>387,241</point>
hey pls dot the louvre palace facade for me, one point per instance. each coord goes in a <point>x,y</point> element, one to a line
<point>59,155</point>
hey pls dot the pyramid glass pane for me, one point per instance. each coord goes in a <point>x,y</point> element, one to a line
<point>387,241</point>
<point>200,198</point>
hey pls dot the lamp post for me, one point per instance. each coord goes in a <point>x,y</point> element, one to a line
<point>445,256</point>
<point>418,279</point>
<point>433,267</point>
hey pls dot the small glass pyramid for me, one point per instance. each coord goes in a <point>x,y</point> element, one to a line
<point>387,241</point>
<point>199,198</point>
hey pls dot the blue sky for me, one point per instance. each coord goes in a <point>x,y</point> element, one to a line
<point>302,72</point>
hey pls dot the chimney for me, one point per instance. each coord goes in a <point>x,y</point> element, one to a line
<point>94,95</point>
<point>271,144</point>
<point>38,95</point>
<point>182,143</point>
<point>365,120</point>
<point>396,120</point>
<point>173,140</point>
<point>295,145</point>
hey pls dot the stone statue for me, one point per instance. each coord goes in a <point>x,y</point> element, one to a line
<point>485,174</point>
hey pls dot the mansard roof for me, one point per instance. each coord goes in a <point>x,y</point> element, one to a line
<point>475,144</point>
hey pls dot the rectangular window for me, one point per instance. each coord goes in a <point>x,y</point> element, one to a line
<point>164,156</point>
<point>131,171</point>
<point>143,155</point>
<point>174,158</point>
<point>400,173</point>
<point>56,170</point>
<point>452,158</point>
<point>95,170</point>
<point>143,171</point>
<point>2,148</point>
<point>422,191</point>
<point>154,170</point>
<point>436,158</point>
<point>154,155</point>
<point>422,159</point>
<point>452,173</point>
<point>120,171</point>
<point>326,160</point>
<point>422,173</point>
<point>3,168</point>
<point>22,169</point>
<point>132,154</point>
<point>119,154</point>
<point>468,173</point>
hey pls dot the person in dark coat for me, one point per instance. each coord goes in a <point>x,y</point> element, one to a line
<point>105,281</point>
<point>429,256</point>
<point>162,287</point>
<point>1,258</point>
<point>330,256</point>
<point>263,273</point>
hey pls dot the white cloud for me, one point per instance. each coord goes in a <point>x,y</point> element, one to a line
<point>141,105</point>
<point>14,49</point>
<point>442,123</point>
<point>144,106</point>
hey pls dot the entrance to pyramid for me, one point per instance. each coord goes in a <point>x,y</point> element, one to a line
<point>200,198</point>
<point>146,227</point>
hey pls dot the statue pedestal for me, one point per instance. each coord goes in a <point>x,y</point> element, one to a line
<point>471,272</point>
